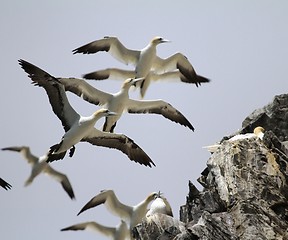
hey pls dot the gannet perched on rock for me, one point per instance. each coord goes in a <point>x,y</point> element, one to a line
<point>160,205</point>
<point>120,102</point>
<point>79,128</point>
<point>258,132</point>
<point>144,60</point>
<point>120,232</point>
<point>39,165</point>
<point>5,184</point>
<point>133,214</point>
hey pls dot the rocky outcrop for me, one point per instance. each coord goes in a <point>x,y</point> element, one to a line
<point>245,188</point>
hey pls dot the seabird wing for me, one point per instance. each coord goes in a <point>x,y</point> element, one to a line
<point>113,46</point>
<point>119,142</point>
<point>179,61</point>
<point>83,89</point>
<point>29,156</point>
<point>37,168</point>
<point>176,76</point>
<point>107,231</point>
<point>61,178</point>
<point>168,207</point>
<point>111,202</point>
<point>158,107</point>
<point>110,73</point>
<point>5,184</point>
<point>55,91</point>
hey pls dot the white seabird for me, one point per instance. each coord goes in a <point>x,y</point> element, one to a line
<point>5,184</point>
<point>133,214</point>
<point>144,60</point>
<point>39,165</point>
<point>120,102</point>
<point>120,232</point>
<point>258,132</point>
<point>160,205</point>
<point>79,128</point>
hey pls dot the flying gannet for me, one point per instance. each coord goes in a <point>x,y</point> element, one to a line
<point>160,205</point>
<point>133,214</point>
<point>5,184</point>
<point>39,165</point>
<point>120,232</point>
<point>120,102</point>
<point>258,132</point>
<point>144,60</point>
<point>78,128</point>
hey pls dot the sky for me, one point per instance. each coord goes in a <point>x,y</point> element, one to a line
<point>240,45</point>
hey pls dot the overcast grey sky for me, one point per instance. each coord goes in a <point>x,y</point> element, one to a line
<point>240,45</point>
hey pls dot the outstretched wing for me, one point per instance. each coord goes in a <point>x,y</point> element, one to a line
<point>61,178</point>
<point>55,91</point>
<point>107,231</point>
<point>83,89</point>
<point>119,142</point>
<point>110,73</point>
<point>28,156</point>
<point>113,46</point>
<point>111,202</point>
<point>158,107</point>
<point>180,62</point>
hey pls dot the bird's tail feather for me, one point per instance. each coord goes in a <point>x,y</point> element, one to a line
<point>55,156</point>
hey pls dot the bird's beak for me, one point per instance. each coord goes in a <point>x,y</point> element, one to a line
<point>159,194</point>
<point>165,41</point>
<point>136,80</point>
<point>112,113</point>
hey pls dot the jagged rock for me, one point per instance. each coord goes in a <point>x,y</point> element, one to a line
<point>273,116</point>
<point>245,187</point>
<point>159,226</point>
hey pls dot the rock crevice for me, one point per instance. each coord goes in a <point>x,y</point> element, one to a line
<point>245,190</point>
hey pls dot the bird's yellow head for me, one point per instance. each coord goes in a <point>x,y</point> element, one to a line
<point>132,82</point>
<point>258,130</point>
<point>158,40</point>
<point>152,196</point>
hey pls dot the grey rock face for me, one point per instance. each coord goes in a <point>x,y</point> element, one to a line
<point>245,189</point>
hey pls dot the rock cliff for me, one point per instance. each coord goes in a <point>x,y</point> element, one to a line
<point>245,187</point>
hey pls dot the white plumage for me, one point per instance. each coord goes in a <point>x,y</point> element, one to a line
<point>120,102</point>
<point>133,214</point>
<point>145,60</point>
<point>78,128</point>
<point>120,232</point>
<point>39,165</point>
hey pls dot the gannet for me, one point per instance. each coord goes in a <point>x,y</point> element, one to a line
<point>5,184</point>
<point>144,60</point>
<point>120,74</point>
<point>160,205</point>
<point>79,128</point>
<point>39,165</point>
<point>133,214</point>
<point>120,232</point>
<point>258,132</point>
<point>120,102</point>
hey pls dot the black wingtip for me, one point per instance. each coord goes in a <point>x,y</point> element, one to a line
<point>72,196</point>
<point>83,209</point>
<point>5,184</point>
<point>75,51</point>
<point>152,164</point>
<point>80,212</point>
<point>202,79</point>
<point>90,76</point>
